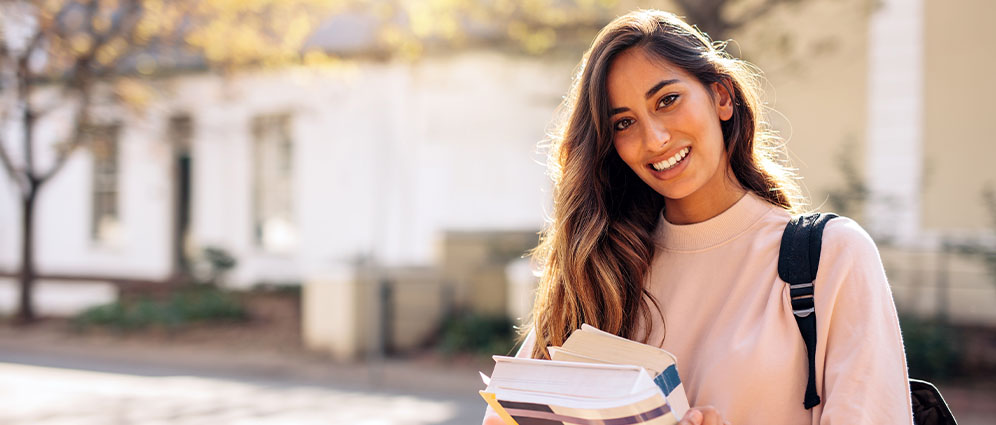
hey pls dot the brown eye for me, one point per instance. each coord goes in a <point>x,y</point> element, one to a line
<point>667,100</point>
<point>623,124</point>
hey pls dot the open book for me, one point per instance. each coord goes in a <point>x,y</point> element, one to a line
<point>594,378</point>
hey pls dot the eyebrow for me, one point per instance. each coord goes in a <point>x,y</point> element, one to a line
<point>649,93</point>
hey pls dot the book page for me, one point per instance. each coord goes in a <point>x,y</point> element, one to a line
<point>559,354</point>
<point>594,343</point>
<point>567,378</point>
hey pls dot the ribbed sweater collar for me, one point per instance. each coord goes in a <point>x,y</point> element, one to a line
<point>715,231</point>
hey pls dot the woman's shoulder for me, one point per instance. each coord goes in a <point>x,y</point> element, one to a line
<point>844,236</point>
<point>841,235</point>
<point>849,258</point>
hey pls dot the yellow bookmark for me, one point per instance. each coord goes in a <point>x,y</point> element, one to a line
<point>493,402</point>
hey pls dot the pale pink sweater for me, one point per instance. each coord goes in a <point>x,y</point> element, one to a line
<point>728,319</point>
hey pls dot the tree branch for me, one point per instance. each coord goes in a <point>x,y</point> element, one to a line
<point>80,79</point>
<point>27,124</point>
<point>758,11</point>
<point>707,16</point>
<point>15,174</point>
<point>33,44</point>
<point>5,59</point>
<point>125,23</point>
<point>76,138</point>
<point>58,30</point>
<point>4,52</point>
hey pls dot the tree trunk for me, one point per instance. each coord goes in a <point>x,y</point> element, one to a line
<point>26,312</point>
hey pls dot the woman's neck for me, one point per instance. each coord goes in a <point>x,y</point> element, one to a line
<point>703,205</point>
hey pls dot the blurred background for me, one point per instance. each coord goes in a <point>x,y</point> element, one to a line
<point>318,211</point>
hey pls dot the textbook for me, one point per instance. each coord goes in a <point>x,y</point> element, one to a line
<point>593,378</point>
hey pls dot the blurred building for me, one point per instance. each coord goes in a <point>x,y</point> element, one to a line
<point>414,164</point>
<point>886,121</point>
<point>296,171</point>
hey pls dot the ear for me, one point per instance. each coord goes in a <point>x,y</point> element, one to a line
<point>724,101</point>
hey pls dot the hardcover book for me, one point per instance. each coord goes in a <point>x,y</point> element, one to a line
<point>593,378</point>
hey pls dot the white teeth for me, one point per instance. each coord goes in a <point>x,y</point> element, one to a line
<point>668,163</point>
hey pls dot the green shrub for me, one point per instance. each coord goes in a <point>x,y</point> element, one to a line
<point>188,305</point>
<point>289,288</point>
<point>478,334</point>
<point>933,348</point>
<point>220,262</point>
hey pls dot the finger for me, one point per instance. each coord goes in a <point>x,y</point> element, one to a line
<point>692,417</point>
<point>493,419</point>
<point>711,416</point>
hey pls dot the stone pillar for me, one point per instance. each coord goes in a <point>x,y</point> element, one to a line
<point>521,289</point>
<point>895,120</point>
<point>340,314</point>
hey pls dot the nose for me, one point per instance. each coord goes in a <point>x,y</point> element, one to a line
<point>656,136</point>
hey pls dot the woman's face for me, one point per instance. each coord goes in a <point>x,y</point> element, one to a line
<point>666,126</point>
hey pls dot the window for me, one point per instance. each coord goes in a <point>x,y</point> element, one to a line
<point>106,225</point>
<point>273,183</point>
<point>180,133</point>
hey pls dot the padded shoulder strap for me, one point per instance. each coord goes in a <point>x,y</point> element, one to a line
<point>798,261</point>
<point>799,256</point>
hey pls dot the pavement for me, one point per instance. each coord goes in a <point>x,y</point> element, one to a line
<point>49,382</point>
<point>53,379</point>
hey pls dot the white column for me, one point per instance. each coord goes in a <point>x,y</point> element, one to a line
<point>894,159</point>
<point>522,283</point>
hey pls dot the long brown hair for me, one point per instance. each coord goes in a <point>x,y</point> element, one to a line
<point>596,251</point>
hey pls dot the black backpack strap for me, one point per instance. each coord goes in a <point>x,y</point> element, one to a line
<point>798,261</point>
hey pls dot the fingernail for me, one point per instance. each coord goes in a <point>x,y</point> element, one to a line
<point>695,416</point>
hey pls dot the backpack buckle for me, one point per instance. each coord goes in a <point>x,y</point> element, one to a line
<point>802,299</point>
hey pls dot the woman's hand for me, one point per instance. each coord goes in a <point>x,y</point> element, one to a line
<point>705,415</point>
<point>492,418</point>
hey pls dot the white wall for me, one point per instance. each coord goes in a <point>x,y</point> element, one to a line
<point>64,207</point>
<point>386,156</point>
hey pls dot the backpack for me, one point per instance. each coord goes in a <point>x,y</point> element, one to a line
<point>798,260</point>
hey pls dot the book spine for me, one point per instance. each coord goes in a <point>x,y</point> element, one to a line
<point>668,380</point>
<point>670,384</point>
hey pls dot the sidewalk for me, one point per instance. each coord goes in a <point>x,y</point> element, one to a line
<point>46,378</point>
<point>51,378</point>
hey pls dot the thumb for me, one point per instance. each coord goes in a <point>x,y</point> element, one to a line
<point>692,417</point>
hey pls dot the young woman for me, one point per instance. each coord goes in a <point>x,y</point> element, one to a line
<point>669,207</point>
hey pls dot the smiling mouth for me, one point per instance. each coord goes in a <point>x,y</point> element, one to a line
<point>669,163</point>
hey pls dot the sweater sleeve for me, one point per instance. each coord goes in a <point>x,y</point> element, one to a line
<point>859,346</point>
<point>526,350</point>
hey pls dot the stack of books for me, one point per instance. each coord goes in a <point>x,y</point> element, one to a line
<point>594,378</point>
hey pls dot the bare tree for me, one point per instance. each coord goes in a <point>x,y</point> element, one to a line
<point>721,18</point>
<point>79,48</point>
<point>540,25</point>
